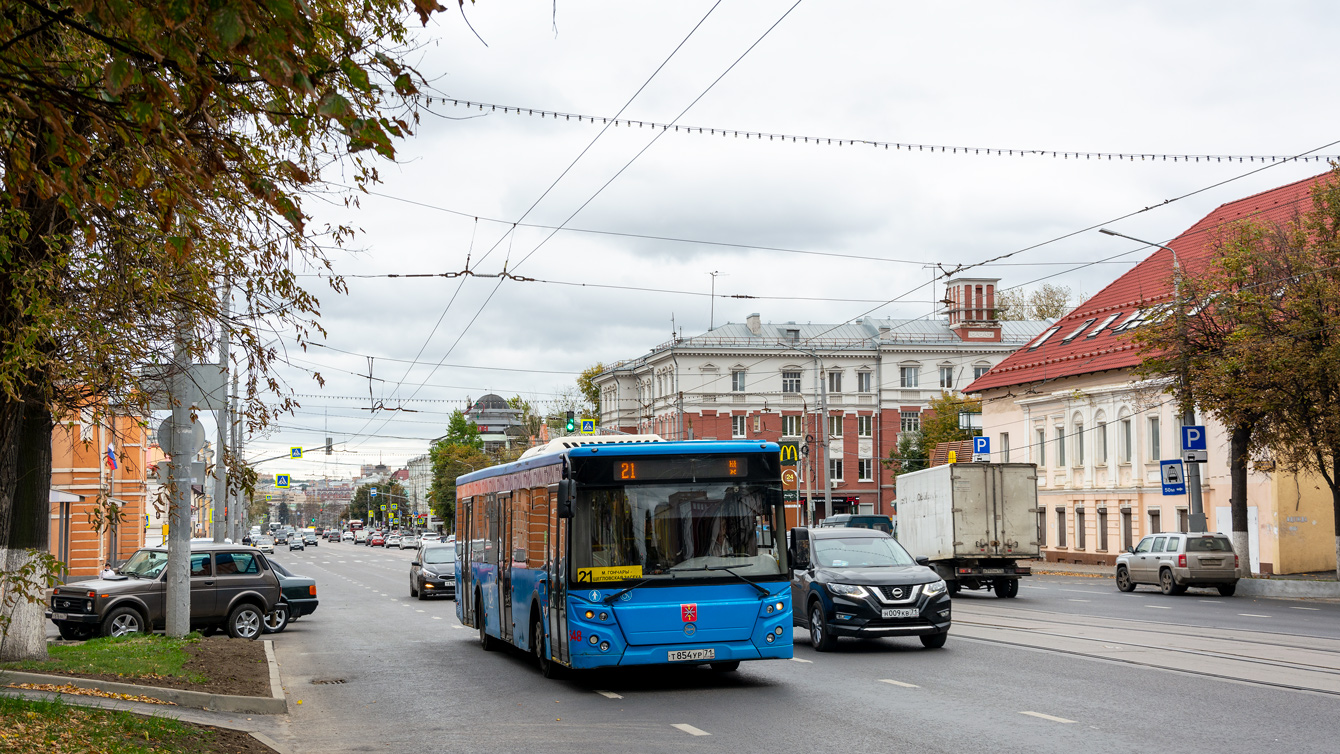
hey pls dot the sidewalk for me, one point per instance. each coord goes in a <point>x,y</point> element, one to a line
<point>1290,587</point>
<point>1068,569</point>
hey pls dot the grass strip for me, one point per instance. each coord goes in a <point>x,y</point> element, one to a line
<point>144,656</point>
<point>54,727</point>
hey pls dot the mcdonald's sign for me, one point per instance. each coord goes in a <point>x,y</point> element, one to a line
<point>790,452</point>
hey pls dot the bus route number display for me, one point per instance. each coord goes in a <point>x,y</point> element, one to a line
<point>608,573</point>
<point>644,469</point>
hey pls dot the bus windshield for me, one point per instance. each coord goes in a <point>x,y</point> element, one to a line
<point>676,530</point>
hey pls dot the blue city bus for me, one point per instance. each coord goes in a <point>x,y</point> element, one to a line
<point>627,550</point>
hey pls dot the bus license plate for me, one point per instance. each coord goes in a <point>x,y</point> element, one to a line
<point>680,655</point>
<point>899,612</point>
<point>59,616</point>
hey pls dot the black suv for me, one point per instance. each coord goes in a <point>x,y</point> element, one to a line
<point>232,587</point>
<point>862,583</point>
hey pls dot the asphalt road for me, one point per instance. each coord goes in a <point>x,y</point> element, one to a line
<point>377,671</point>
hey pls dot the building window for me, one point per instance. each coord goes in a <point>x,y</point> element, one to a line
<point>865,469</point>
<point>1079,529</point>
<point>980,372</point>
<point>1126,538</point>
<point>791,426</point>
<point>947,377</point>
<point>1042,448</point>
<point>1060,527</point>
<point>908,376</point>
<point>1079,444</point>
<point>1183,523</point>
<point>1155,522</point>
<point>911,421</point>
<point>863,382</point>
<point>737,426</point>
<point>864,426</point>
<point>835,426</point>
<point>1102,529</point>
<point>835,469</point>
<point>1155,448</point>
<point>790,382</point>
<point>835,382</point>
<point>1100,443</point>
<point>1124,443</point>
<point>1004,447</point>
<point>737,381</point>
<point>1042,528</point>
<point>1060,448</point>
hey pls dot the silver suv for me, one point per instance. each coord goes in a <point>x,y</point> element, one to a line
<point>1176,561</point>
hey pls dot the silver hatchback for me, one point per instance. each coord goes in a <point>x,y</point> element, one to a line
<point>1174,561</point>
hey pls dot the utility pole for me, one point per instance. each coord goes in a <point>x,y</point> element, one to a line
<point>178,597</point>
<point>823,409</point>
<point>238,513</point>
<point>222,511</point>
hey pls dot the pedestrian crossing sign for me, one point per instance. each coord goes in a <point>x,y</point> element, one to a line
<point>282,480</point>
<point>295,452</point>
<point>588,426</point>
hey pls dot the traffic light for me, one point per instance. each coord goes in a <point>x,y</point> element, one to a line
<point>572,422</point>
<point>329,450</point>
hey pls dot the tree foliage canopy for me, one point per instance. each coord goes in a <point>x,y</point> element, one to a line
<point>939,423</point>
<point>1046,302</point>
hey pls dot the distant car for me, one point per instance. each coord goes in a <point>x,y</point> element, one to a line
<point>433,572</point>
<point>862,583</point>
<point>361,537</point>
<point>409,542</point>
<point>392,541</point>
<point>265,544</point>
<point>296,544</point>
<point>861,521</point>
<point>310,538</point>
<point>298,598</point>
<point>1175,561</point>
<point>333,535</point>
<point>347,536</point>
<point>377,540</point>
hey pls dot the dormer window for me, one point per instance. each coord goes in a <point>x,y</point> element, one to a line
<point>1079,330</point>
<point>791,336</point>
<point>1045,337</point>
<point>1104,326</point>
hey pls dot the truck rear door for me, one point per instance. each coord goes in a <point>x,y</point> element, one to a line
<point>1016,510</point>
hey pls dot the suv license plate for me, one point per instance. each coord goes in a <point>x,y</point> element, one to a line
<point>899,612</point>
<point>59,616</point>
<point>680,655</point>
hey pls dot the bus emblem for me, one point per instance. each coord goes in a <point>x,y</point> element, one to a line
<point>690,629</point>
<point>689,613</point>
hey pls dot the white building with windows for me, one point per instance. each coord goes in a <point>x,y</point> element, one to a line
<point>771,381</point>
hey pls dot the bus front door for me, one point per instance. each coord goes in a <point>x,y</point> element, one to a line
<point>558,581</point>
<point>465,545</point>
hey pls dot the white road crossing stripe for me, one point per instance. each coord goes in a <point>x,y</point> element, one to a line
<point>689,729</point>
<point>1047,717</point>
<point>437,617</point>
<point>797,659</point>
<point>417,611</point>
<point>1293,607</point>
<point>1072,599</point>
<point>1159,607</point>
<point>608,694</point>
<point>892,682</point>
<point>1253,615</point>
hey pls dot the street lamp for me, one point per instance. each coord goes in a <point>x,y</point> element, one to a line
<point>823,431</point>
<point>1197,517</point>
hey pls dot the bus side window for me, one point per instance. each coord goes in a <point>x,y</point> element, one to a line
<point>537,533</point>
<point>520,527</point>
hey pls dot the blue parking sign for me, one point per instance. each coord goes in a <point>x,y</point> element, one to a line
<point>981,446</point>
<point>1193,437</point>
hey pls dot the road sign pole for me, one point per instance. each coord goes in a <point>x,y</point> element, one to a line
<point>221,509</point>
<point>1196,516</point>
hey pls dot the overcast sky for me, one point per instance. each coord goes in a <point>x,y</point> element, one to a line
<point>1184,78</point>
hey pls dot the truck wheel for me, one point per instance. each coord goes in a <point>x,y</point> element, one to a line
<point>821,637</point>
<point>954,588</point>
<point>1124,582</point>
<point>934,641</point>
<point>1006,588</point>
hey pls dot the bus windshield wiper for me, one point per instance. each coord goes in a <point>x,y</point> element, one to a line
<point>610,599</point>
<point>762,589</point>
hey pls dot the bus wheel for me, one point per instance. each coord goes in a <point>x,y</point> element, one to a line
<point>548,668</point>
<point>486,642</point>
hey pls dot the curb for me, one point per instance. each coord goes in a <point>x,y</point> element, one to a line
<point>1289,588</point>
<point>276,687</point>
<point>258,705</point>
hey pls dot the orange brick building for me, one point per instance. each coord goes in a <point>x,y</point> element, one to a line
<point>79,467</point>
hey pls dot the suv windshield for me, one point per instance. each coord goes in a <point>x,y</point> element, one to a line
<point>652,531</point>
<point>1208,544</point>
<point>860,552</point>
<point>146,564</point>
<point>439,555</point>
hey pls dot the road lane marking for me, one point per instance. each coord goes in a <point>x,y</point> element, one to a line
<point>1026,586</point>
<point>463,628</point>
<point>1047,717</point>
<point>1293,607</point>
<point>1159,607</point>
<point>1253,615</point>
<point>417,611</point>
<point>1072,599</point>
<point>689,729</point>
<point>899,683</point>
<point>437,617</point>
<point>608,694</point>
<point>797,659</point>
<point>1081,591</point>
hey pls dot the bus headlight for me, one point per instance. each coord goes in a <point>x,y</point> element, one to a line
<point>595,639</point>
<point>848,590</point>
<point>934,590</point>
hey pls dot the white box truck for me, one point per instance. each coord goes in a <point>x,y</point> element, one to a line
<point>974,521</point>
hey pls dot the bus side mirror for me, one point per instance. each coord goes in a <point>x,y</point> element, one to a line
<point>565,498</point>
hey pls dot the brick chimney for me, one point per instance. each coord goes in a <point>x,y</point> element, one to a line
<point>970,304</point>
<point>755,324</point>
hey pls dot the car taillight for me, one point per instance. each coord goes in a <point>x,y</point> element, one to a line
<point>1181,561</point>
<point>1235,561</point>
<point>312,590</point>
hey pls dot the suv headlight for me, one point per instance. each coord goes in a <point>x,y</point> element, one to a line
<point>935,589</point>
<point>848,590</point>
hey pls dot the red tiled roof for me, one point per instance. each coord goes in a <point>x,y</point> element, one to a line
<point>1049,356</point>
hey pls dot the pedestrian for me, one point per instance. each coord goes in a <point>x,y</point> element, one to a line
<point>107,571</point>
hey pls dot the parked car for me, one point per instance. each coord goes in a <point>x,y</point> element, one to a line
<point>861,521</point>
<point>264,544</point>
<point>232,587</point>
<point>862,583</point>
<point>298,598</point>
<point>377,540</point>
<point>433,572</point>
<point>296,543</point>
<point>1175,561</point>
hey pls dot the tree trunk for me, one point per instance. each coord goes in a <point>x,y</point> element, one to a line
<point>1335,509</point>
<point>1239,442</point>
<point>28,476</point>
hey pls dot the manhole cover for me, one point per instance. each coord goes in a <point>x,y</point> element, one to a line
<point>327,681</point>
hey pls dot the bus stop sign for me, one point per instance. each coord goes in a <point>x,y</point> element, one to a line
<point>1174,480</point>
